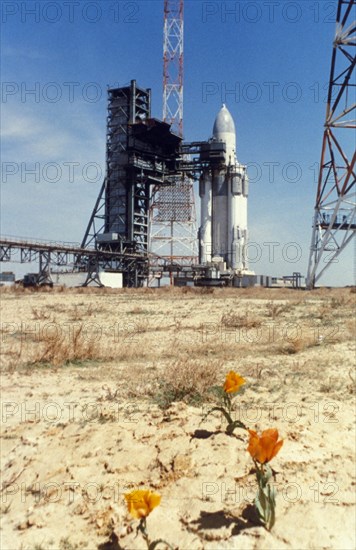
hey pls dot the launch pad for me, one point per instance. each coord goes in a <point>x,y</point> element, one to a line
<point>143,154</point>
<point>149,183</point>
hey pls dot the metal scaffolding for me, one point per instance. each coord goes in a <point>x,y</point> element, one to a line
<point>173,40</point>
<point>173,230</point>
<point>334,222</point>
<point>119,221</point>
<point>78,259</point>
<point>141,155</point>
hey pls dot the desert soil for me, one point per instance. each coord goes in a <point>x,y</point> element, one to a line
<point>105,391</point>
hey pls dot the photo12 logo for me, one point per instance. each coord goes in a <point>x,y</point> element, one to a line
<point>267,92</point>
<point>271,11</point>
<point>69,12</point>
<point>51,172</point>
<point>51,92</point>
<point>291,492</point>
<point>66,492</point>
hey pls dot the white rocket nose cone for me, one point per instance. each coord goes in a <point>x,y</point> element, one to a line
<point>224,130</point>
<point>224,123</point>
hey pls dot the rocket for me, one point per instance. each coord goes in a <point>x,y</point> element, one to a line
<point>223,190</point>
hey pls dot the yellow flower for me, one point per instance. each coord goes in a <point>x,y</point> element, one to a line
<point>141,503</point>
<point>264,448</point>
<point>233,382</point>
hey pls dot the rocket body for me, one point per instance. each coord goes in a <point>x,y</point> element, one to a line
<point>223,193</point>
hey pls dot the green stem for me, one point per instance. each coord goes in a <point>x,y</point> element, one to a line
<point>222,410</point>
<point>229,404</point>
<point>236,424</point>
<point>265,499</point>
<point>256,465</point>
<point>143,529</point>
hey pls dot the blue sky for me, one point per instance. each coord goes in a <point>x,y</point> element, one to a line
<point>269,61</point>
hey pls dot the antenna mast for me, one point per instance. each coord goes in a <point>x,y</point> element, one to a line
<point>173,220</point>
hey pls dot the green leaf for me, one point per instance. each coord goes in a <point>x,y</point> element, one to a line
<point>222,396</point>
<point>272,507</point>
<point>261,504</point>
<point>265,503</point>
<point>263,473</point>
<point>268,472</point>
<point>259,474</point>
<point>218,391</point>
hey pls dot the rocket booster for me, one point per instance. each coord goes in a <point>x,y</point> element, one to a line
<point>223,193</point>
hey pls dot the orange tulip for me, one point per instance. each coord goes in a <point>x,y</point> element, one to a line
<point>233,382</point>
<point>141,503</point>
<point>264,448</point>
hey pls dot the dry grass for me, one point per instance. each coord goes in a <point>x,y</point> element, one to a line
<point>258,293</point>
<point>79,311</point>
<point>53,349</point>
<point>352,385</point>
<point>58,308</point>
<point>139,311</point>
<point>227,325</point>
<point>274,310</point>
<point>188,380</point>
<point>76,314</point>
<point>73,348</point>
<point>323,312</point>
<point>188,346</point>
<point>311,340</point>
<point>295,346</point>
<point>234,320</point>
<point>40,314</point>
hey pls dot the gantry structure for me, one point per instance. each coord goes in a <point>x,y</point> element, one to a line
<point>141,153</point>
<point>334,222</point>
<point>51,255</point>
<point>173,229</point>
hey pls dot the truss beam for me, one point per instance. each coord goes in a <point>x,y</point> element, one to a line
<point>173,230</point>
<point>334,222</point>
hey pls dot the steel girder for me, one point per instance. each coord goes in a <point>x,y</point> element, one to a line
<point>334,222</point>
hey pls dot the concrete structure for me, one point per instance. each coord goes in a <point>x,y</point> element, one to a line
<point>72,279</point>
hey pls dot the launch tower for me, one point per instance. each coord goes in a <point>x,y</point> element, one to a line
<point>141,152</point>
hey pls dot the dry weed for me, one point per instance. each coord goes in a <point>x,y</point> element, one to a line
<point>323,312</point>
<point>141,328</point>
<point>204,290</point>
<point>58,308</point>
<point>58,351</point>
<point>351,386</point>
<point>298,345</point>
<point>76,314</point>
<point>139,311</point>
<point>40,314</point>
<point>275,310</point>
<point>234,320</point>
<point>187,380</point>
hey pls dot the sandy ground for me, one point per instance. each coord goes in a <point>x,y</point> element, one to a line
<point>104,392</point>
